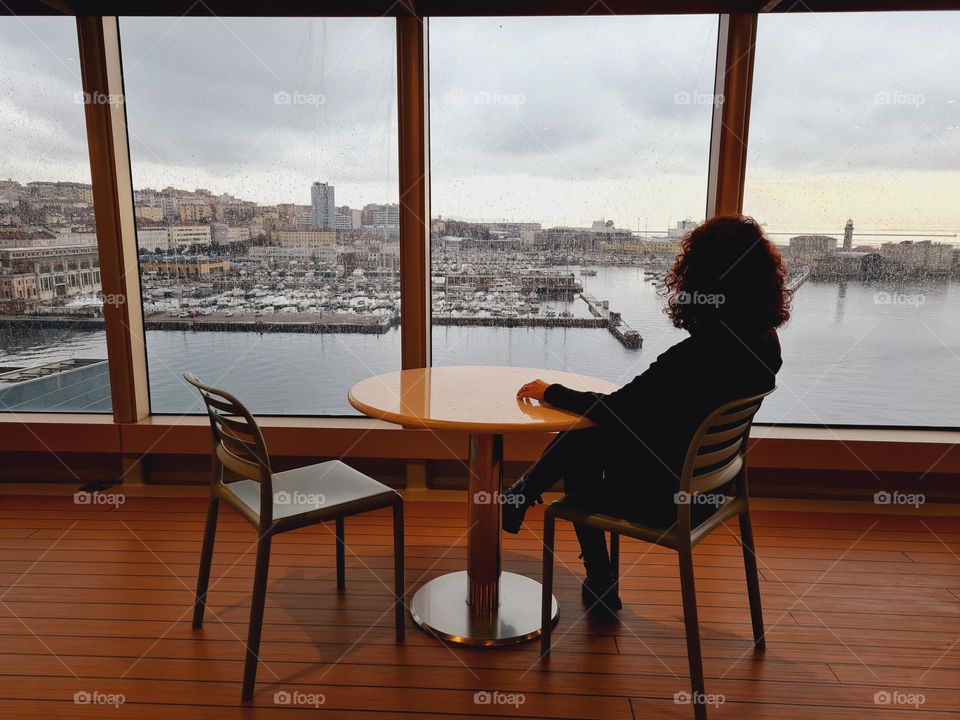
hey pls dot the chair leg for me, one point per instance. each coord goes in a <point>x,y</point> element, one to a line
<point>615,562</point>
<point>341,557</point>
<point>256,617</point>
<point>206,560</point>
<point>398,581</point>
<point>692,626</point>
<point>546,606</point>
<point>753,580</point>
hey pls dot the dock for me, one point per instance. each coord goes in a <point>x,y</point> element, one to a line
<point>292,323</point>
<point>528,321</point>
<point>797,280</point>
<point>600,309</point>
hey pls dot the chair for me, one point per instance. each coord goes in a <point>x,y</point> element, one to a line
<point>716,456</point>
<point>277,502</point>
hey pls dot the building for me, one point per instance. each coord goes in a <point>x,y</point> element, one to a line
<point>551,284</point>
<point>307,238</point>
<point>146,212</point>
<point>186,266</point>
<point>812,246</point>
<point>186,235</point>
<point>322,203</point>
<point>841,264</point>
<point>222,234</point>
<point>681,229</point>
<point>238,234</point>
<point>573,238</point>
<point>376,215</point>
<point>514,229</point>
<point>659,248</point>
<point>153,239</point>
<point>301,253</point>
<point>194,212</point>
<point>914,258</point>
<point>36,275</point>
<point>19,236</point>
<point>219,233</point>
<point>848,235</point>
<point>172,238</point>
<point>348,218</point>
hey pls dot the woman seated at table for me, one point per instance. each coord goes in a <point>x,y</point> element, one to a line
<point>727,290</point>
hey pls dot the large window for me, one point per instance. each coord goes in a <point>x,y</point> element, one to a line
<point>568,156</point>
<point>854,141</point>
<point>264,162</point>
<point>52,347</point>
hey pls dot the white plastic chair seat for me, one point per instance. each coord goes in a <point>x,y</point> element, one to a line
<point>326,486</point>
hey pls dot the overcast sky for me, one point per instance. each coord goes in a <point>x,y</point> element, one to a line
<point>556,120</point>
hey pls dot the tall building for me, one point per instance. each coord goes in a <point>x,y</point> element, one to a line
<point>324,210</point>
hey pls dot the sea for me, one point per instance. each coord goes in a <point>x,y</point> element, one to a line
<point>858,353</point>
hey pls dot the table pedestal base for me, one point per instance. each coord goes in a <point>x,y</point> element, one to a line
<point>440,607</point>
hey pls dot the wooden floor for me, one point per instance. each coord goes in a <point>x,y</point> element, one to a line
<point>97,600</point>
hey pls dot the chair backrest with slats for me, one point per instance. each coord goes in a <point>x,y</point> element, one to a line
<point>238,444</point>
<point>717,452</point>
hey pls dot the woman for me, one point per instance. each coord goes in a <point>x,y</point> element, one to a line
<point>727,290</point>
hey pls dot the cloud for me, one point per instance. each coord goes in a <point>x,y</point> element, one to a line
<point>550,119</point>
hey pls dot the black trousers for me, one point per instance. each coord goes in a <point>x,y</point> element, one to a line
<point>598,478</point>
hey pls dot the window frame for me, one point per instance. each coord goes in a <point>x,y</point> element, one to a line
<point>134,432</point>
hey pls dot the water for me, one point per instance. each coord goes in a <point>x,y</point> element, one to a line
<point>854,354</point>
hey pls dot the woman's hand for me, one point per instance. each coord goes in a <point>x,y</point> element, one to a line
<point>533,390</point>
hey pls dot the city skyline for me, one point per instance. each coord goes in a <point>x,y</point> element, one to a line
<point>867,236</point>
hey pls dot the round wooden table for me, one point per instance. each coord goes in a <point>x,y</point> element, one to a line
<point>481,606</point>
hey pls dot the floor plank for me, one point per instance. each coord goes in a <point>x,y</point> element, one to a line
<point>860,609</point>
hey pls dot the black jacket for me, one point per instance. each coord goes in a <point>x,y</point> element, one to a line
<point>648,423</point>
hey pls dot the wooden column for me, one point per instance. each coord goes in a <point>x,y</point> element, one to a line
<point>413,110</point>
<point>731,118</point>
<point>116,231</point>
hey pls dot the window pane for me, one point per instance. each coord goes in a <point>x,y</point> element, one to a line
<point>566,153</point>
<point>264,159</point>
<point>854,140</point>
<point>53,355</point>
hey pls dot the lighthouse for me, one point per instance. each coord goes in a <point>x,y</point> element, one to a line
<point>848,235</point>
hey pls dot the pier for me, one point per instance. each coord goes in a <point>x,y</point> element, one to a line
<point>600,309</point>
<point>305,322</point>
<point>529,321</point>
<point>799,279</point>
<point>292,322</point>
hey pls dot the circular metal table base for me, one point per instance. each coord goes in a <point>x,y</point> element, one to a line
<point>440,607</point>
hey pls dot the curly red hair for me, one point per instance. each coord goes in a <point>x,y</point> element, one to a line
<point>728,271</point>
